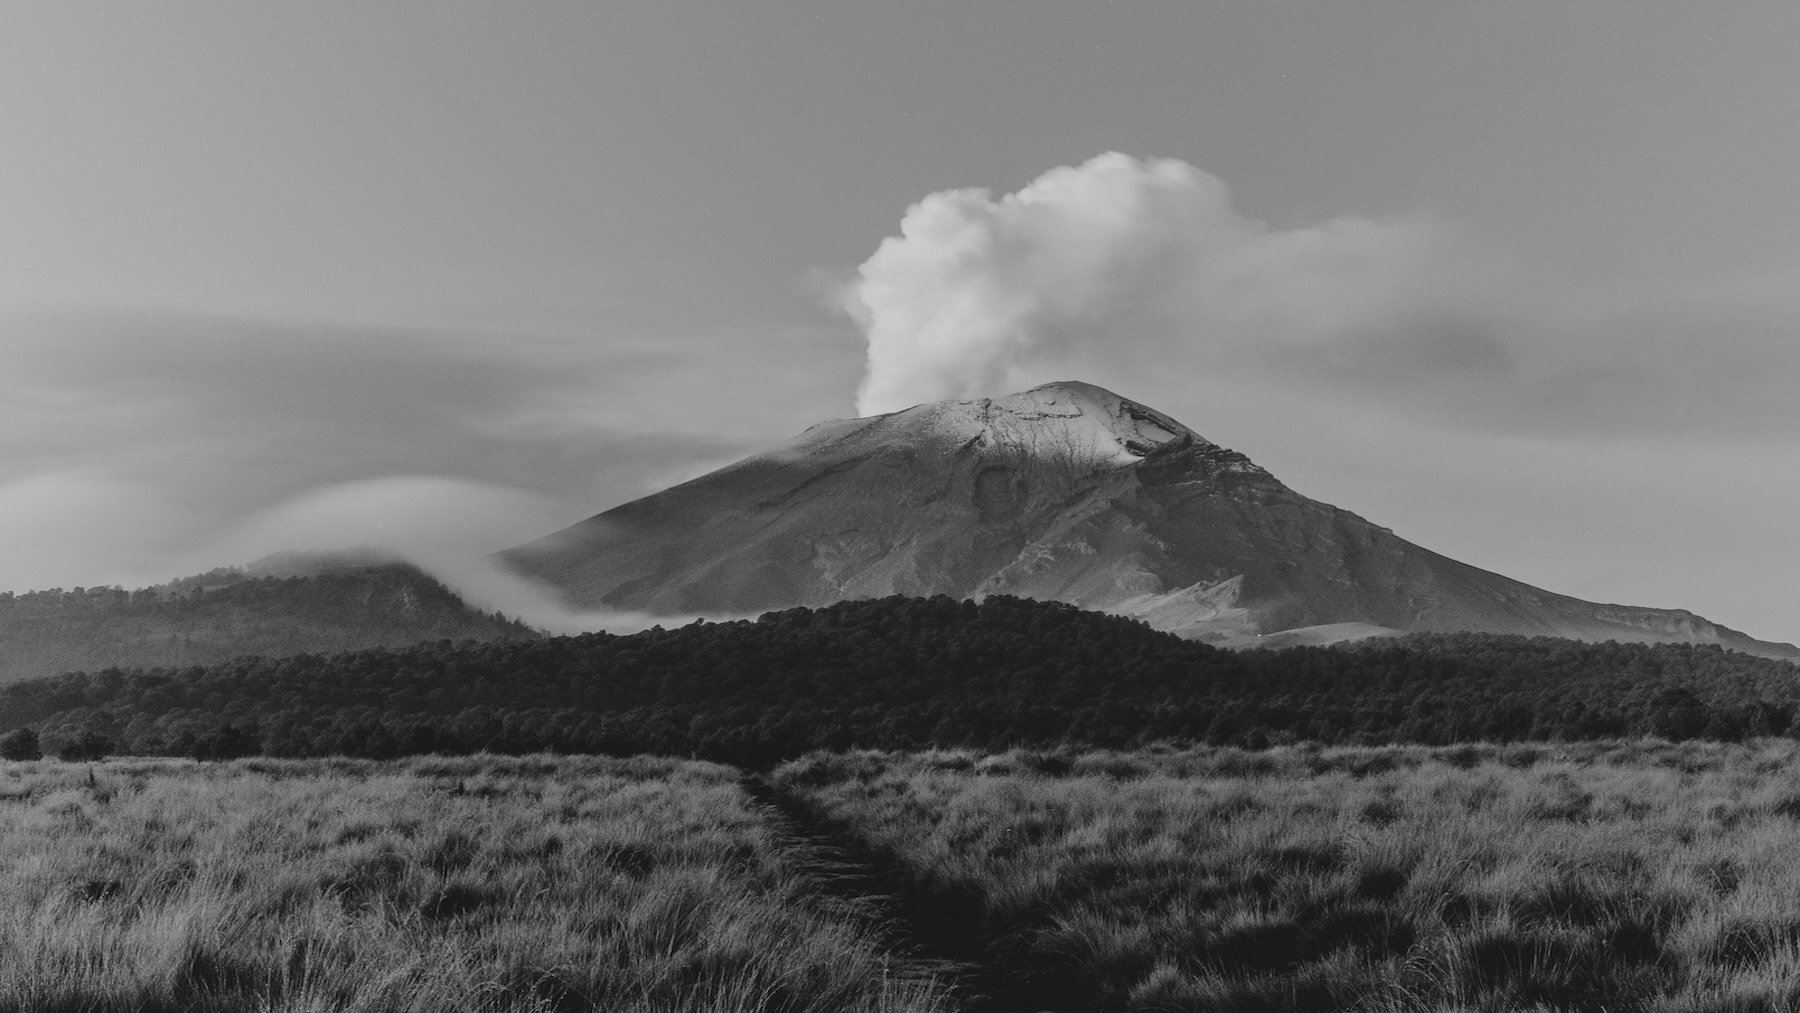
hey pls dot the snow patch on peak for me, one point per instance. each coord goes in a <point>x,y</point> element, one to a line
<point>1069,422</point>
<point>1077,418</point>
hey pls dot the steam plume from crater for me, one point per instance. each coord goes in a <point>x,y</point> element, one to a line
<point>1119,258</point>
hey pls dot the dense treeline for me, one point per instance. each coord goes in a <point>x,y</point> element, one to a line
<point>905,673</point>
<point>215,616</point>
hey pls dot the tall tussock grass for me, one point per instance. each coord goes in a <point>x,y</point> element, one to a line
<point>1625,876</point>
<point>1638,876</point>
<point>486,884</point>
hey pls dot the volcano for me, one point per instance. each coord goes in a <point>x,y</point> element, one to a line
<point>1066,492</point>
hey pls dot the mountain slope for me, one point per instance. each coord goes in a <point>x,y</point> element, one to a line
<point>280,606</point>
<point>1065,492</point>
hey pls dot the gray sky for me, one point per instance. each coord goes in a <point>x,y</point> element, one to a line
<point>1521,281</point>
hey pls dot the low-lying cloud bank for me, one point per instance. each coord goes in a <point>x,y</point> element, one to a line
<point>140,446</point>
<point>447,527</point>
<point>89,528</point>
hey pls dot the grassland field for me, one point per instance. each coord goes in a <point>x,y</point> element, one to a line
<point>1619,876</point>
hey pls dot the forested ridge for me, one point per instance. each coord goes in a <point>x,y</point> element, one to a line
<point>224,613</point>
<point>908,673</point>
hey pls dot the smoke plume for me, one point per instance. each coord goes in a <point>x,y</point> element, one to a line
<point>1116,258</point>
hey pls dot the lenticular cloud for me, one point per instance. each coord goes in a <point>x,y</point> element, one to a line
<point>1119,258</point>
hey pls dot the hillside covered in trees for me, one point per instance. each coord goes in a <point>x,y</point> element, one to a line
<point>290,606</point>
<point>907,673</point>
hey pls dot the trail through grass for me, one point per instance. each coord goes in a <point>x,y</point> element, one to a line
<point>946,938</point>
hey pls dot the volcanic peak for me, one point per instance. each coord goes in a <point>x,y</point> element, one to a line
<point>1065,492</point>
<point>1078,422</point>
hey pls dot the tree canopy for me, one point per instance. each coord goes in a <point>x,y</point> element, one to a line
<point>908,673</point>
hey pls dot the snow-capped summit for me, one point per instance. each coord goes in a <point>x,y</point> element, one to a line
<point>1067,492</point>
<point>1069,416</point>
